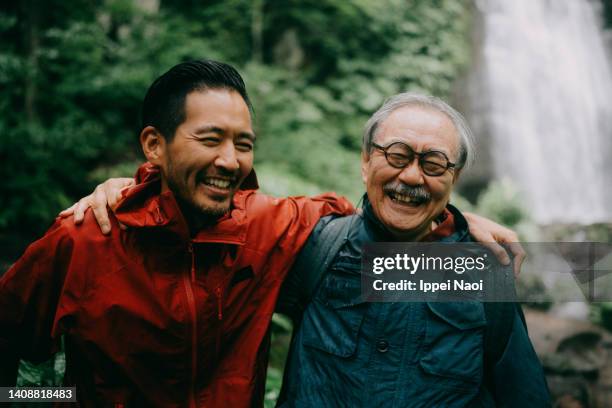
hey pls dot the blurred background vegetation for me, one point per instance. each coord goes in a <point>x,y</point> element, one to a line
<point>73,75</point>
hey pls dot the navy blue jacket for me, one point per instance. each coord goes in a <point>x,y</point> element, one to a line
<point>350,353</point>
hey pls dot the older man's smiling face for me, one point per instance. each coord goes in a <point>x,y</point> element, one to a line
<point>423,129</point>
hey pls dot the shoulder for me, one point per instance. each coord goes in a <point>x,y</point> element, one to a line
<point>262,206</point>
<point>462,231</point>
<point>57,243</point>
<point>66,232</point>
<point>333,223</point>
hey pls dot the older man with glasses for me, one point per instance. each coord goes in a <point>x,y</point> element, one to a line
<point>350,352</point>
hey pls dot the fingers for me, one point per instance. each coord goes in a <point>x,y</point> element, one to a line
<point>80,208</point>
<point>499,252</point>
<point>68,211</point>
<point>98,205</point>
<point>113,188</point>
<point>519,256</point>
<point>107,193</point>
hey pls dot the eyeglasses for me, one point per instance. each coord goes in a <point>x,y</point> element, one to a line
<point>399,155</point>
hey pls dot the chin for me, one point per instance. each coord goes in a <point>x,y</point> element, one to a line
<point>209,207</point>
<point>214,210</point>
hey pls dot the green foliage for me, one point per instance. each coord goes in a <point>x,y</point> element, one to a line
<point>73,80</point>
<point>501,201</point>
<point>47,374</point>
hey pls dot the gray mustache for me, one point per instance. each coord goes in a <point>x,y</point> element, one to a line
<point>416,193</point>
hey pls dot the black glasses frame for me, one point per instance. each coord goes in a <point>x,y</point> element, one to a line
<point>421,156</point>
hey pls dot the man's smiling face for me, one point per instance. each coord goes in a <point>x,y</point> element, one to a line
<point>423,129</point>
<point>211,152</point>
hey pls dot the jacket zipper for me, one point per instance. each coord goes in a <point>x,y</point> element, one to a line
<point>188,279</point>
<point>219,295</point>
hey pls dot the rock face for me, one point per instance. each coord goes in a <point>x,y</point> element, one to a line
<point>577,359</point>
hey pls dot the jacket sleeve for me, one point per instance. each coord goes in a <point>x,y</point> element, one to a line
<point>305,214</point>
<point>519,377</point>
<point>289,221</point>
<point>29,293</point>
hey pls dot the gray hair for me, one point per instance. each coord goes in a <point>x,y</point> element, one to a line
<point>466,137</point>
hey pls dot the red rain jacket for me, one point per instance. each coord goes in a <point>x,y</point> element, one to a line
<point>151,316</point>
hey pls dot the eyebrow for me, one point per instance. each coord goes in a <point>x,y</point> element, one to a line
<point>435,149</point>
<point>215,129</point>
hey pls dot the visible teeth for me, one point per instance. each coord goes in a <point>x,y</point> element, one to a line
<point>402,197</point>
<point>217,182</point>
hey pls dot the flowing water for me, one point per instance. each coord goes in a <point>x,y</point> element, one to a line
<point>542,91</point>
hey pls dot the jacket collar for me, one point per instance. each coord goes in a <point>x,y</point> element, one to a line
<point>143,206</point>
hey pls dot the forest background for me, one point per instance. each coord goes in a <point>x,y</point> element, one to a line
<point>73,75</point>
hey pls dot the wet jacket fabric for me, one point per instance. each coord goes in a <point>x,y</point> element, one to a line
<point>350,353</point>
<point>151,316</point>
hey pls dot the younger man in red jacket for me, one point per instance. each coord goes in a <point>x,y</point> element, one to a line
<point>176,309</point>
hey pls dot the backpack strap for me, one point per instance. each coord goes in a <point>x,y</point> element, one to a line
<point>311,264</point>
<point>319,254</point>
<point>307,273</point>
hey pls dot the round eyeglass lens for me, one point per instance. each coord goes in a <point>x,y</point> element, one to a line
<point>434,163</point>
<point>399,155</point>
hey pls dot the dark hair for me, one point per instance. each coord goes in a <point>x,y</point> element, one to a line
<point>164,104</point>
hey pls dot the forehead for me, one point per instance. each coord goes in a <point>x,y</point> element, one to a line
<point>423,128</point>
<point>220,107</point>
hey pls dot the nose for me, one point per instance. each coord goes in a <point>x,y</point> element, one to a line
<point>226,157</point>
<point>412,174</point>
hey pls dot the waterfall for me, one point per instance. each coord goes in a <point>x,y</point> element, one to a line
<point>541,91</point>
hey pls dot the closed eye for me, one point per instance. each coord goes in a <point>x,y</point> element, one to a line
<point>209,141</point>
<point>244,147</point>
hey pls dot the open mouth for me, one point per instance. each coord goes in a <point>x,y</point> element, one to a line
<point>406,199</point>
<point>218,183</point>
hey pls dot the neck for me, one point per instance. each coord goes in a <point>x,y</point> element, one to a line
<point>412,236</point>
<point>194,217</point>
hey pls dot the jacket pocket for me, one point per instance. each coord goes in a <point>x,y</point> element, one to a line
<point>332,321</point>
<point>453,345</point>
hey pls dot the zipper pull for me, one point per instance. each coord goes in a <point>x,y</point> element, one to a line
<point>219,293</point>
<point>193,271</point>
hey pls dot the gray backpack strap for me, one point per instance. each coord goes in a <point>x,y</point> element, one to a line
<point>319,253</point>
<point>311,264</point>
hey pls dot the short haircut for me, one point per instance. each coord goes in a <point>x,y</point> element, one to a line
<point>164,104</point>
<point>466,137</point>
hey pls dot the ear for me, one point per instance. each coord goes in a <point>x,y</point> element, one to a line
<point>456,174</point>
<point>365,163</point>
<point>153,145</point>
